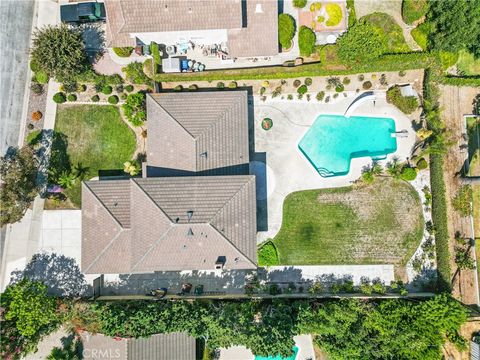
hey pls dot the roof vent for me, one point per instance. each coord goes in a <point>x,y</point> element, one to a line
<point>177,220</point>
<point>189,214</point>
<point>203,154</point>
<point>190,10</point>
<point>166,7</point>
<point>190,232</point>
<point>258,9</point>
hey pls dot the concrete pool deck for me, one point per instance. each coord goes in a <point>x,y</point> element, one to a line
<point>288,170</point>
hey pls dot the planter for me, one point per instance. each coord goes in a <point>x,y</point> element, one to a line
<point>267,124</point>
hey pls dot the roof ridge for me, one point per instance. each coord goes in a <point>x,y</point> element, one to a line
<point>105,249</point>
<point>232,244</point>
<point>103,204</point>
<point>150,198</point>
<point>171,116</point>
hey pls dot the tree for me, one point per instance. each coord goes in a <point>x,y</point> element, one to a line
<point>306,41</point>
<point>286,30</point>
<point>18,171</point>
<point>394,168</point>
<point>135,108</point>
<point>456,25</point>
<point>59,51</point>
<point>361,43</point>
<point>67,179</point>
<point>462,201</point>
<point>463,259</point>
<point>406,104</point>
<point>131,168</point>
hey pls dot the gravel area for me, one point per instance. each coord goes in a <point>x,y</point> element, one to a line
<point>35,103</point>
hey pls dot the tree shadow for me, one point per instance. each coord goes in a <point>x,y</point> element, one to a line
<point>61,274</point>
<point>94,39</point>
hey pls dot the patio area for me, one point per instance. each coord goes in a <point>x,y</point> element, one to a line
<point>288,170</point>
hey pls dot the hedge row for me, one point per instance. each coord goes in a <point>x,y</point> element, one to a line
<point>460,81</point>
<point>440,221</point>
<point>90,76</point>
<point>392,62</point>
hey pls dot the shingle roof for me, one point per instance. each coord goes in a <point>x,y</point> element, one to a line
<point>197,131</point>
<point>139,16</point>
<point>173,346</point>
<point>175,223</point>
<point>260,37</point>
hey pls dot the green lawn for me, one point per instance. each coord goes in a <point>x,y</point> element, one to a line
<point>413,10</point>
<point>368,224</point>
<point>468,64</point>
<point>393,31</point>
<point>96,137</point>
<point>420,35</point>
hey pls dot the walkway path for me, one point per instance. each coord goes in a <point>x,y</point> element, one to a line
<point>392,8</point>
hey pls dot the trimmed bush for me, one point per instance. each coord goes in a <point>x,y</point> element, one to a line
<point>30,127</point>
<point>192,87</point>
<point>95,98</point>
<point>406,104</point>
<point>178,88</point>
<point>36,88</point>
<point>37,115</point>
<point>339,88</point>
<point>306,41</point>
<point>157,59</point>
<point>297,83</point>
<point>113,99</point>
<point>267,254</point>
<point>308,81</point>
<point>123,96</point>
<point>128,88</point>
<point>334,12</point>
<point>34,66</point>
<point>422,164</point>
<point>299,4</point>
<point>72,97</point>
<point>220,85</point>
<point>107,90</point>
<point>41,77</point>
<point>59,98</point>
<point>286,30</point>
<point>408,173</point>
<point>81,88</point>
<point>69,87</point>
<point>302,89</point>
<point>320,96</point>
<point>367,85</point>
<point>123,51</point>
<point>119,88</point>
<point>267,124</point>
<point>346,81</point>
<point>232,85</point>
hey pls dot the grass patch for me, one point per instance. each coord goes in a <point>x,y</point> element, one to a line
<point>413,10</point>
<point>420,35</point>
<point>97,138</point>
<point>393,32</point>
<point>467,64</point>
<point>370,224</point>
<point>267,254</point>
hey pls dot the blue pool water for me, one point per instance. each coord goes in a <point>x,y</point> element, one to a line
<point>278,357</point>
<point>333,140</point>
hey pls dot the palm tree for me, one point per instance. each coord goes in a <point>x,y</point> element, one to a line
<point>377,169</point>
<point>80,171</point>
<point>131,168</point>
<point>394,168</point>
<point>67,180</point>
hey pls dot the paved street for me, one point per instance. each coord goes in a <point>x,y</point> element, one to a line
<point>15,25</point>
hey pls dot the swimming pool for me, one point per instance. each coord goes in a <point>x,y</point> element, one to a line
<point>278,357</point>
<point>333,140</point>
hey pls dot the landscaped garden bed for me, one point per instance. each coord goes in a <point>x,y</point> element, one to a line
<point>366,224</point>
<point>94,138</point>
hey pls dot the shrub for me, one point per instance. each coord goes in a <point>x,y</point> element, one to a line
<point>72,97</point>
<point>107,90</point>
<point>408,173</point>
<point>422,164</point>
<point>36,88</point>
<point>135,108</point>
<point>335,95</point>
<point>367,85</point>
<point>265,83</point>
<point>192,87</point>
<point>262,90</point>
<point>383,80</point>
<point>306,41</point>
<point>361,77</point>
<point>149,68</point>
<point>220,85</point>
<point>134,73</point>
<point>289,97</point>
<point>406,104</point>
<point>41,77</point>
<point>95,98</point>
<point>320,19</point>
<point>178,88</point>
<point>302,89</point>
<point>233,85</point>
<point>286,30</point>
<point>297,83</point>
<point>346,81</point>
<point>69,87</point>
<point>413,10</point>
<point>128,88</point>
<point>29,127</point>
<point>327,99</point>
<point>37,115</point>
<point>361,43</point>
<point>155,50</point>
<point>308,81</point>
<point>119,88</point>
<point>299,4</point>
<point>339,88</point>
<point>420,35</point>
<point>59,98</point>
<point>462,202</point>
<point>334,12</point>
<point>34,66</point>
<point>123,96</point>
<point>267,254</point>
<point>320,96</point>
<point>81,88</point>
<point>402,73</point>
<point>123,51</point>
<point>113,99</point>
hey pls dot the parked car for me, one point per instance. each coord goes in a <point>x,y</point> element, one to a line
<point>82,12</point>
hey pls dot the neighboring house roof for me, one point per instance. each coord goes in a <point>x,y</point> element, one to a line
<point>140,16</point>
<point>197,131</point>
<point>177,346</point>
<point>260,37</point>
<point>168,224</point>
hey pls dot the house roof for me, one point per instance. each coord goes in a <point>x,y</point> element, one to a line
<point>178,346</point>
<point>260,36</point>
<point>168,224</point>
<point>140,16</point>
<point>197,131</point>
